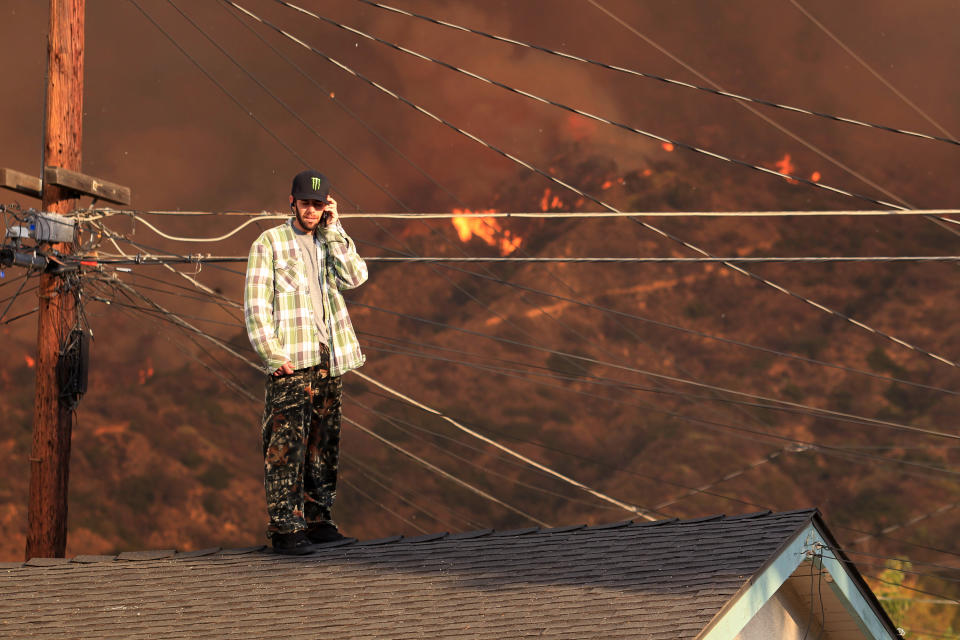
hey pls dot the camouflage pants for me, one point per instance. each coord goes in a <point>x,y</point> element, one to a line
<point>301,447</point>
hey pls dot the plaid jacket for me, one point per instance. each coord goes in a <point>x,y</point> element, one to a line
<point>276,299</point>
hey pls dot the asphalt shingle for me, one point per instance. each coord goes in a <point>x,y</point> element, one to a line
<point>654,581</point>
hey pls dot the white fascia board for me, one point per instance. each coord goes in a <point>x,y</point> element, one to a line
<point>808,541</point>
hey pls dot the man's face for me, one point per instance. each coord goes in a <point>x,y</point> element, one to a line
<point>308,213</point>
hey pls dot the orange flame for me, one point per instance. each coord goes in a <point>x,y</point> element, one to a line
<point>548,202</point>
<point>30,361</point>
<point>486,229</point>
<point>815,176</point>
<point>146,374</point>
<point>785,165</point>
<point>667,146</point>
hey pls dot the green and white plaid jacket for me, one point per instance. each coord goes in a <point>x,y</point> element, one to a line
<point>276,299</point>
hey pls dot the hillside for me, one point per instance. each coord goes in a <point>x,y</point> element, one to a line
<point>165,452</point>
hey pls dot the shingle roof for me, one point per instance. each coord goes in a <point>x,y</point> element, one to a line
<point>659,580</point>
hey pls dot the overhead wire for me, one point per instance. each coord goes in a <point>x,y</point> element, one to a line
<point>11,299</point>
<point>515,367</point>
<point>912,521</point>
<point>751,504</point>
<point>606,466</point>
<point>148,259</point>
<point>876,74</point>
<point>220,85</point>
<point>445,474</point>
<point>395,422</point>
<point>938,221</point>
<point>282,103</point>
<point>896,558</point>
<point>566,185</point>
<point>705,335</point>
<point>339,103</point>
<point>618,385</point>
<point>20,315</point>
<point>177,319</point>
<point>826,156</point>
<point>815,410</point>
<point>378,479</point>
<point>262,86</point>
<point>384,507</point>
<point>798,214</point>
<point>547,101</point>
<point>651,76</point>
<point>915,468</point>
<point>216,372</point>
<point>181,325</point>
<point>625,506</point>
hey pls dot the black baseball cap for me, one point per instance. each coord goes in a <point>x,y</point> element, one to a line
<point>310,185</point>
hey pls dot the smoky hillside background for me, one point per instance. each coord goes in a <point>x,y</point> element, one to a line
<point>580,366</point>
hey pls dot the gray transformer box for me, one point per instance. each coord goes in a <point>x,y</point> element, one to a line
<point>49,227</point>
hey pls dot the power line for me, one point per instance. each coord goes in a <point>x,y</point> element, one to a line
<point>140,259</point>
<point>808,410</point>
<point>726,497</point>
<point>441,472</point>
<point>395,422</point>
<point>222,88</point>
<point>14,297</point>
<point>615,384</point>
<point>376,478</point>
<point>795,444</point>
<point>580,112</point>
<point>623,505</point>
<point>210,259</point>
<point>339,103</point>
<point>612,67</point>
<point>290,110</point>
<point>384,507</point>
<point>901,541</point>
<point>701,334</point>
<point>938,221</point>
<point>283,104</point>
<point>807,213</point>
<point>177,319</point>
<point>873,71</point>
<point>817,411</point>
<point>583,194</point>
<point>908,523</point>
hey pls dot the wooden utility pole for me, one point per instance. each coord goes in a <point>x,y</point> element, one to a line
<point>53,415</point>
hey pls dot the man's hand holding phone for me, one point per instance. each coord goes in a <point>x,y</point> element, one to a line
<point>330,215</point>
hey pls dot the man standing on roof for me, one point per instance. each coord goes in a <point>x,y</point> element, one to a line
<point>297,321</point>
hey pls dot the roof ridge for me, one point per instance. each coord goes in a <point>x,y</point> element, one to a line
<point>173,554</point>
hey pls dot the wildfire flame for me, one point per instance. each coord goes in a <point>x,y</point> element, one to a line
<point>667,146</point>
<point>30,361</point>
<point>486,229</point>
<point>786,167</point>
<point>146,374</point>
<point>550,202</point>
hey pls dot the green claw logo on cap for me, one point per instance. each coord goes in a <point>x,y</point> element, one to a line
<point>315,182</point>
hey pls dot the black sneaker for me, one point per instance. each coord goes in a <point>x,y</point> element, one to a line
<point>292,544</point>
<point>320,532</point>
